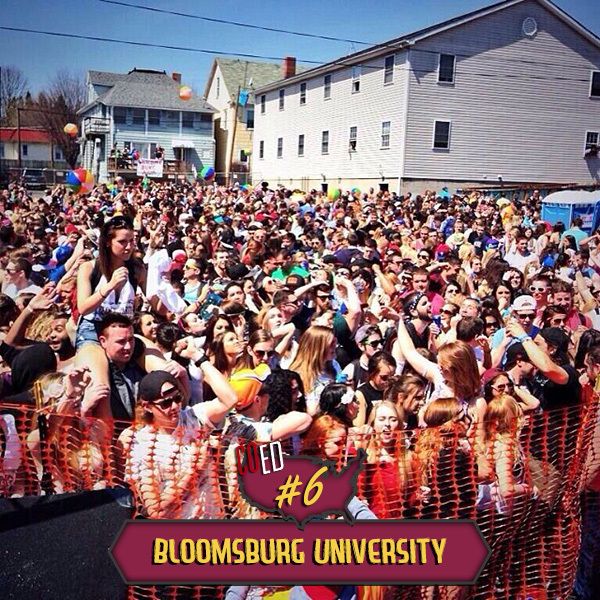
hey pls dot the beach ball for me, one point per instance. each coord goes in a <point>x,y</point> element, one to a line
<point>70,129</point>
<point>333,194</point>
<point>246,187</point>
<point>185,92</point>
<point>81,181</point>
<point>355,191</point>
<point>207,173</point>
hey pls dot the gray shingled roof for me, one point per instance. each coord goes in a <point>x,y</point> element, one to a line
<point>144,89</point>
<point>238,72</point>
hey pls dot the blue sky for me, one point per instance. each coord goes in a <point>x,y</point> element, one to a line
<point>40,57</point>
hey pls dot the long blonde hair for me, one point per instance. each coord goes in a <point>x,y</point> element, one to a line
<point>459,366</point>
<point>310,361</point>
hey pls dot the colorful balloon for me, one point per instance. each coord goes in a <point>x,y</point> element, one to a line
<point>334,193</point>
<point>207,173</point>
<point>71,129</point>
<point>80,181</point>
<point>246,187</point>
<point>185,92</point>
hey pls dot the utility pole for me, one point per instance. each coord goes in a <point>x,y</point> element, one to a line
<point>19,136</point>
<point>235,119</point>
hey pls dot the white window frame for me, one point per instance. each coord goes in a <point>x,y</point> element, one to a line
<point>280,147</point>
<point>261,150</point>
<point>592,81</point>
<point>263,104</point>
<point>325,140</point>
<point>303,94</point>
<point>453,68</point>
<point>301,147</point>
<point>435,122</point>
<point>387,72</point>
<point>327,87</point>
<point>383,134</point>
<point>587,145</point>
<point>282,99</point>
<point>356,73</point>
<point>352,138</point>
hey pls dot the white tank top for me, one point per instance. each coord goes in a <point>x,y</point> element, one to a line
<point>122,304</point>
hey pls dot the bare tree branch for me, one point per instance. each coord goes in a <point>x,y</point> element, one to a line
<point>58,105</point>
<point>13,85</point>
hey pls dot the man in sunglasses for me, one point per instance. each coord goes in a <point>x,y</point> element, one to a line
<point>523,311</point>
<point>369,340</point>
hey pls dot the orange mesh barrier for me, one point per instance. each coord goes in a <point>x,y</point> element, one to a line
<point>523,485</point>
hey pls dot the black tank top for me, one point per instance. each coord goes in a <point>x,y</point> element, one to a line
<point>371,395</point>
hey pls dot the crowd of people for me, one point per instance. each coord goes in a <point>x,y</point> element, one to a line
<point>454,338</point>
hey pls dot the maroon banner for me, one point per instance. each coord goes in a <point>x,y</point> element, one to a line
<point>272,552</point>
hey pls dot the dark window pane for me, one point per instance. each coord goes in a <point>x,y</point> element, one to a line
<point>595,84</point>
<point>446,73</point>
<point>442,135</point>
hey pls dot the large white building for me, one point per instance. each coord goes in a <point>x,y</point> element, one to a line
<point>509,93</point>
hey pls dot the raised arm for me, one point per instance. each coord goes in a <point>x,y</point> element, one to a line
<point>418,362</point>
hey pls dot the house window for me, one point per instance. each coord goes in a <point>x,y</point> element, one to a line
<point>446,68</point>
<point>58,155</point>
<point>356,79</point>
<point>261,149</point>
<point>206,118</point>
<point>24,150</point>
<point>243,156</point>
<point>120,115</point>
<point>325,142</point>
<point>263,104</point>
<point>595,85</point>
<point>592,140</point>
<point>302,94</point>
<point>327,87</point>
<point>441,135</point>
<point>187,120</point>
<point>171,118</point>
<point>386,127</point>
<point>139,116</point>
<point>388,70</point>
<point>250,118</point>
<point>154,117</point>
<point>352,139</point>
<point>281,99</point>
<point>301,145</point>
<point>218,86</point>
<point>279,147</point>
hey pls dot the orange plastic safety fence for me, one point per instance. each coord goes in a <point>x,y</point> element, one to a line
<point>522,482</point>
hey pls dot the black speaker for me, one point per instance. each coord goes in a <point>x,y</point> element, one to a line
<point>56,547</point>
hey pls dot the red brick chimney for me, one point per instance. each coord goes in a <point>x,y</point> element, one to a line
<point>288,67</point>
<point>176,77</point>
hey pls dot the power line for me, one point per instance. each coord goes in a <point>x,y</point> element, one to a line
<point>340,63</point>
<point>234,23</point>
<point>147,44</point>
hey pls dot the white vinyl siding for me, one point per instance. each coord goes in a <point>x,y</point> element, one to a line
<point>388,70</point>
<point>446,67</point>
<point>441,135</point>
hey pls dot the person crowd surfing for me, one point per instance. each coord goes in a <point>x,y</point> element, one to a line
<point>146,331</point>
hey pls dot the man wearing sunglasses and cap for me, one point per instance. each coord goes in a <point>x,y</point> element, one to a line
<point>369,340</point>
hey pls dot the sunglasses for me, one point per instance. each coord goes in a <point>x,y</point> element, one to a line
<point>491,324</point>
<point>533,288</point>
<point>502,387</point>
<point>450,313</point>
<point>265,353</point>
<point>525,316</point>
<point>374,343</point>
<point>166,403</point>
<point>424,256</point>
<point>558,320</point>
<point>325,297</point>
